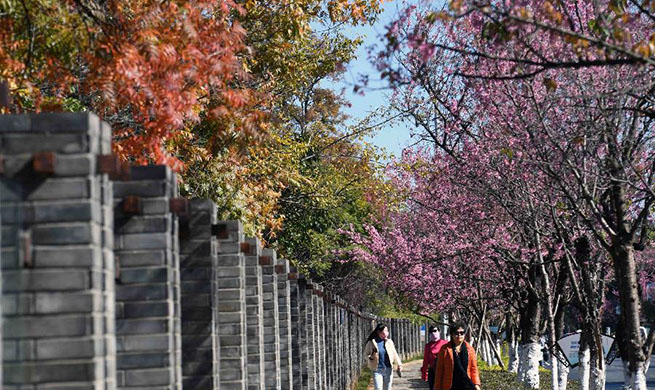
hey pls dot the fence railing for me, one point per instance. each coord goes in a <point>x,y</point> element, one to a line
<point>111,280</point>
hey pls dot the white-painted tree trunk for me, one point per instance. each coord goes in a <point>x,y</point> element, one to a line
<point>487,353</point>
<point>627,375</point>
<point>597,379</point>
<point>584,359</point>
<point>483,351</point>
<point>646,366</point>
<point>521,366</point>
<point>513,352</point>
<point>531,356</point>
<point>639,377</point>
<point>554,379</point>
<point>563,375</point>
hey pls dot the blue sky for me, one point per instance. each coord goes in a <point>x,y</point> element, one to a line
<point>392,138</point>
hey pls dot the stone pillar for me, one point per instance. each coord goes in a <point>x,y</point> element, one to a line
<point>303,333</point>
<point>352,330</point>
<point>255,317</point>
<point>342,334</point>
<point>199,301</point>
<point>336,362</point>
<point>319,344</point>
<point>330,328</point>
<point>147,291</point>
<point>57,259</point>
<point>401,338</point>
<point>297,344</point>
<point>231,294</point>
<point>271,320</point>
<point>284,312</point>
<point>309,336</point>
<point>1,311</point>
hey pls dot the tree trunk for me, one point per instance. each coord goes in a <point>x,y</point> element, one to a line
<point>549,310</point>
<point>562,369</point>
<point>583,358</point>
<point>530,347</point>
<point>625,270</point>
<point>639,376</point>
<point>627,375</point>
<point>520,366</point>
<point>597,359</point>
<point>532,353</point>
<point>512,345</point>
<point>596,370</point>
<point>563,374</point>
<point>513,353</point>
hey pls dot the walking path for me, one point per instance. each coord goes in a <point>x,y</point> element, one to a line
<point>411,377</point>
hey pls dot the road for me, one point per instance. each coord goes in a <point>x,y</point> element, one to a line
<point>614,379</point>
<point>412,377</point>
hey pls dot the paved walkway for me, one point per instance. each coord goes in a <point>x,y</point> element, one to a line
<point>411,377</point>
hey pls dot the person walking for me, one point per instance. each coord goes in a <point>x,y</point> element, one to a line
<point>381,356</point>
<point>457,365</point>
<point>430,352</point>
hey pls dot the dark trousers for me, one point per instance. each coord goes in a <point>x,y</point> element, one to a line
<point>431,378</point>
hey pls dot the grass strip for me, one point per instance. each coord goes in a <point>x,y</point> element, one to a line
<point>364,379</point>
<point>502,380</point>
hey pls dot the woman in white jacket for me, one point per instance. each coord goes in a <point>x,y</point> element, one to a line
<point>381,355</point>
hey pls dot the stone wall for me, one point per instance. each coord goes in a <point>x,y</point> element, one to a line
<point>110,280</point>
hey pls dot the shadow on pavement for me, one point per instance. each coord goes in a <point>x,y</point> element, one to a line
<point>415,384</point>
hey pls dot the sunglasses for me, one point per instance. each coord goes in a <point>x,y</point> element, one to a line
<point>434,331</point>
<point>459,333</point>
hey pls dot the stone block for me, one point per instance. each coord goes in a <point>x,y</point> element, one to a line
<point>66,233</point>
<point>151,172</point>
<point>45,280</point>
<point>144,275</point>
<point>40,372</point>
<point>143,241</point>
<point>141,258</point>
<point>142,326</point>
<point>145,224</point>
<point>151,343</point>
<point>33,143</point>
<point>53,303</point>
<point>141,292</point>
<point>69,348</point>
<point>148,359</point>
<point>146,309</point>
<point>47,326</point>
<point>148,377</point>
<point>144,189</point>
<point>67,256</point>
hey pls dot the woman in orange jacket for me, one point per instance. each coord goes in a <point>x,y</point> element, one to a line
<point>457,365</point>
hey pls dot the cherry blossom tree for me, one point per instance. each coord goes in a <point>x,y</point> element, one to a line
<point>508,75</point>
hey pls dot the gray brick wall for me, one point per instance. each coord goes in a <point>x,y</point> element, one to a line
<point>225,315</point>
<point>57,260</point>
<point>147,291</point>
<point>198,262</point>
<point>231,285</point>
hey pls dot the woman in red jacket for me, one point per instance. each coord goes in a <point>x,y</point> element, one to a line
<point>457,365</point>
<point>430,355</point>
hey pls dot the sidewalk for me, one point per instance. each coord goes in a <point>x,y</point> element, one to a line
<point>411,377</point>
